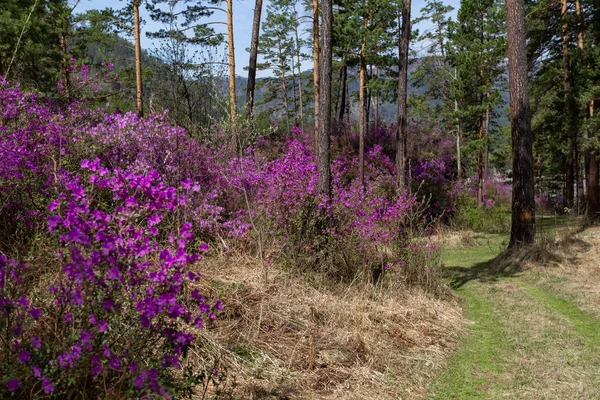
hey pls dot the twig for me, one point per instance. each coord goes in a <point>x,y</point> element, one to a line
<point>20,37</point>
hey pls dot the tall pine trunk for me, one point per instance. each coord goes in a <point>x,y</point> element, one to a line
<point>570,182</point>
<point>486,149</point>
<point>138,58</point>
<point>231,51</point>
<point>316,73</point>
<point>593,181</point>
<point>363,120</point>
<point>325,98</point>
<point>401,133</point>
<point>523,204</point>
<point>299,67</point>
<point>253,59</point>
<point>362,96</point>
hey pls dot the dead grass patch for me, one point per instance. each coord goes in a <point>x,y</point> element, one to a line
<point>288,336</point>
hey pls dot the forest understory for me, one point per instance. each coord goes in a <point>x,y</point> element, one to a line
<point>519,325</point>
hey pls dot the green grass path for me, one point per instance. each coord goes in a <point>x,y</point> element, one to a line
<point>522,341</point>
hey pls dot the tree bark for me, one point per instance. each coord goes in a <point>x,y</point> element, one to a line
<point>231,51</point>
<point>299,67</point>
<point>363,118</point>
<point>284,87</point>
<point>294,96</point>
<point>325,98</point>
<point>569,192</point>
<point>316,74</point>
<point>458,136</point>
<point>523,203</point>
<point>593,181</point>
<point>138,58</point>
<point>401,133</point>
<point>253,60</point>
<point>343,86</point>
<point>486,150</point>
<point>362,99</point>
<point>376,102</point>
<point>65,62</point>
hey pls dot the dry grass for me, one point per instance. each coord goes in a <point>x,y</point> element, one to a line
<point>450,239</point>
<point>575,273</point>
<point>284,336</point>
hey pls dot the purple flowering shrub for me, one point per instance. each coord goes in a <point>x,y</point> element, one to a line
<point>98,297</point>
<point>121,310</point>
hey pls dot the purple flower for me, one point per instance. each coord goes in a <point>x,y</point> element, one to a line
<point>102,326</point>
<point>36,342</point>
<point>24,356</point>
<point>22,301</point>
<point>108,304</point>
<point>13,385</point>
<point>204,247</point>
<point>114,363</point>
<point>36,371</point>
<point>35,313</point>
<point>96,368</point>
<point>113,274</point>
<point>53,222</point>
<point>219,305</point>
<point>47,385</point>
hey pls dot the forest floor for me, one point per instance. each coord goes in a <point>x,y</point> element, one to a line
<point>523,325</point>
<point>533,317</point>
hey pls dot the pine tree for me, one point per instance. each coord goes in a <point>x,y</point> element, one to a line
<point>476,51</point>
<point>523,204</point>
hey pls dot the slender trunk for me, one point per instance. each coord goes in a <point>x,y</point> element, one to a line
<point>401,134</point>
<point>343,85</point>
<point>363,120</point>
<point>325,98</point>
<point>486,153</point>
<point>593,181</point>
<point>376,103</point>
<point>580,28</point>
<point>231,50</point>
<point>253,60</point>
<point>458,135</point>
<point>348,98</point>
<point>369,94</point>
<point>523,204</point>
<point>362,99</point>
<point>299,67</point>
<point>569,192</point>
<point>340,89</point>
<point>284,89</point>
<point>294,95</point>
<point>138,58</point>
<point>480,157</point>
<point>65,61</point>
<point>316,74</point>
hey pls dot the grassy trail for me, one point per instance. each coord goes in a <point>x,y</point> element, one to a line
<point>523,341</point>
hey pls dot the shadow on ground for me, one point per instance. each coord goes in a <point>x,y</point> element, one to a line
<point>487,271</point>
<point>510,263</point>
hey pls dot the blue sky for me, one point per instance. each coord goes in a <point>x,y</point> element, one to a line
<point>243,12</point>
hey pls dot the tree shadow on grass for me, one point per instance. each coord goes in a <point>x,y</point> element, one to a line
<point>509,263</point>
